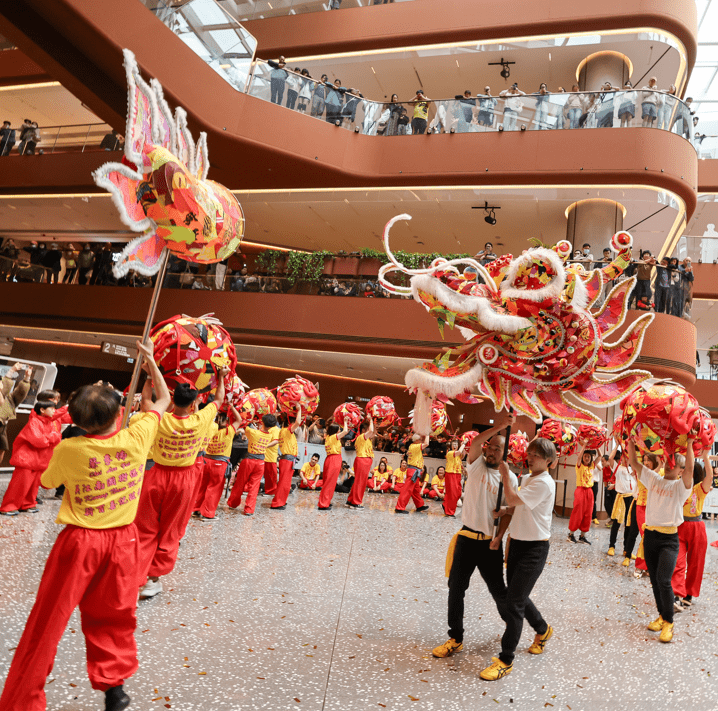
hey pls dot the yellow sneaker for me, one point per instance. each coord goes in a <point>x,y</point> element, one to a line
<point>666,632</point>
<point>596,521</point>
<point>496,670</point>
<point>540,641</point>
<point>656,625</point>
<point>448,648</point>
<point>633,557</point>
<point>611,551</point>
<point>626,562</point>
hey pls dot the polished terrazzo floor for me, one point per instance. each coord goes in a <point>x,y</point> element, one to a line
<point>339,610</point>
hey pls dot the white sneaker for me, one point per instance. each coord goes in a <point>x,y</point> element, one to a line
<point>460,502</point>
<point>150,589</point>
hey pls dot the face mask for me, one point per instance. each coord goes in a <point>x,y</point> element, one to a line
<point>585,251</point>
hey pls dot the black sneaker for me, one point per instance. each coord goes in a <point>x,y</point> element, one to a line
<point>116,699</point>
<point>292,488</point>
<point>324,508</point>
<point>9,513</point>
<point>572,538</point>
<point>353,506</point>
<point>423,508</point>
<point>401,511</point>
<point>583,539</point>
<point>278,508</point>
<point>31,510</point>
<point>39,501</point>
<point>687,601</point>
<point>677,606</point>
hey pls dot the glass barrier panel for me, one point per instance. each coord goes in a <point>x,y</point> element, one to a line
<point>42,377</point>
<point>262,9</point>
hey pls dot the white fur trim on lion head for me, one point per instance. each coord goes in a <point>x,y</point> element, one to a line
<point>551,291</point>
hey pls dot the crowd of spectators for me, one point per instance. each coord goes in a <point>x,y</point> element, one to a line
<point>26,136</point>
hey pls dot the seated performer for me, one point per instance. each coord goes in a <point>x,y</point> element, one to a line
<point>530,529</point>
<point>664,513</point>
<point>476,545</point>
<point>438,483</point>
<point>583,495</point>
<point>398,477</point>
<point>93,563</point>
<point>624,487</point>
<point>332,464</point>
<point>453,477</point>
<point>379,480</point>
<point>251,469</point>
<point>362,464</point>
<point>692,539</point>
<point>170,486</point>
<point>310,474</point>
<point>412,486</point>
<point>290,454</point>
<point>217,466</point>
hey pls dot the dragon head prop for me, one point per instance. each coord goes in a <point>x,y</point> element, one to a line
<point>533,331</point>
<point>161,189</point>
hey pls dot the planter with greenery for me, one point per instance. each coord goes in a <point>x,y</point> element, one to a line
<point>306,266</point>
<point>713,354</point>
<point>271,261</point>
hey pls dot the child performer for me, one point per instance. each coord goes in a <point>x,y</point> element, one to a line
<point>31,453</point>
<point>290,454</point>
<point>474,546</point>
<point>583,495</point>
<point>332,464</point>
<point>271,456</point>
<point>217,466</point>
<point>170,486</point>
<point>379,480</point>
<point>637,517</point>
<point>412,485</point>
<point>362,464</point>
<point>94,560</point>
<point>310,474</point>
<point>453,477</point>
<point>664,513</point>
<point>251,468</point>
<point>624,488</point>
<point>530,530</point>
<point>692,539</point>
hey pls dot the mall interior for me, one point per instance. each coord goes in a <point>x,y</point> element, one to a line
<point>325,119</point>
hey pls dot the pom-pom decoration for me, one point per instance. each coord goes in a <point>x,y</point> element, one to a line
<point>382,410</point>
<point>659,418</point>
<point>562,434</point>
<point>160,188</point>
<point>706,433</point>
<point>439,418</point>
<point>247,411</point>
<point>467,438</point>
<point>593,436</point>
<point>518,447</point>
<point>348,414</point>
<point>234,389</point>
<point>295,393</point>
<point>193,350</point>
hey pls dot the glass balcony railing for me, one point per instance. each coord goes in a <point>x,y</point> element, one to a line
<point>64,139</point>
<point>262,9</point>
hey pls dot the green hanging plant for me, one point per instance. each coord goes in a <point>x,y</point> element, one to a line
<point>268,259</point>
<point>306,266</point>
<point>374,254</point>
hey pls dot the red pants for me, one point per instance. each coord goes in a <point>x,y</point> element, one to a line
<point>582,509</point>
<point>286,469</point>
<point>97,570</point>
<point>410,490</point>
<point>270,478</point>
<point>452,493</point>
<point>249,474</point>
<point>211,487</point>
<point>693,544</point>
<point>330,474</point>
<point>371,483</point>
<point>22,490</point>
<point>640,512</point>
<point>362,466</point>
<point>432,494</point>
<point>162,516</point>
<point>320,484</point>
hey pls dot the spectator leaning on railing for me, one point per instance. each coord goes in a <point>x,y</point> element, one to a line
<point>512,106</point>
<point>421,113</point>
<point>649,103</point>
<point>7,138</point>
<point>277,79</point>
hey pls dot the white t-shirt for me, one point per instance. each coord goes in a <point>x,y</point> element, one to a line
<point>532,519</point>
<point>625,483</point>
<point>664,503</point>
<point>480,493</point>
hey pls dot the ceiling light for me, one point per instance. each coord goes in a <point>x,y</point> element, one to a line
<point>490,218</point>
<point>490,210</point>
<point>505,71</point>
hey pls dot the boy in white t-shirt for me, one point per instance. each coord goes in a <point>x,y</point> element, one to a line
<point>530,529</point>
<point>664,513</point>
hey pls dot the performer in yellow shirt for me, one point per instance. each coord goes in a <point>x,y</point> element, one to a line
<point>692,539</point>
<point>412,485</point>
<point>588,459</point>
<point>251,468</point>
<point>170,487</point>
<point>93,563</point>
<point>290,454</point>
<point>362,464</point>
<point>271,456</point>
<point>438,485</point>
<point>453,477</point>
<point>310,474</point>
<point>217,467</point>
<point>332,464</point>
<point>381,477</point>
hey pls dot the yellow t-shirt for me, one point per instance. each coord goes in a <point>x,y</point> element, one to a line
<point>400,475</point>
<point>415,457</point>
<point>381,476</point>
<point>103,475</point>
<point>438,483</point>
<point>421,109</point>
<point>642,494</point>
<point>333,445</point>
<point>179,439</point>
<point>288,442</point>
<point>364,447</point>
<point>221,443</point>
<point>257,441</point>
<point>694,503</point>
<point>453,462</point>
<point>311,472</point>
<point>211,432</point>
<point>271,454</point>
<point>584,476</point>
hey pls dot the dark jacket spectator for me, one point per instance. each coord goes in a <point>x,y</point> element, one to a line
<point>7,138</point>
<point>111,142</point>
<point>53,261</point>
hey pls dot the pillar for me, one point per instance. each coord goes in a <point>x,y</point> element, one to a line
<point>595,221</point>
<point>596,69</point>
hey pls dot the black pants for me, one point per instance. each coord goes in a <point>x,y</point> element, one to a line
<point>83,275</point>
<point>662,299</point>
<point>332,113</point>
<point>631,534</point>
<point>524,567</point>
<point>595,497</point>
<point>617,525</point>
<point>291,98</point>
<point>276,87</point>
<point>661,552</point>
<point>418,126</point>
<point>609,498</point>
<point>468,555</point>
